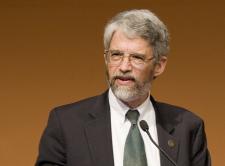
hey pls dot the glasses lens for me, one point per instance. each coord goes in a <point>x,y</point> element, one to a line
<point>115,57</point>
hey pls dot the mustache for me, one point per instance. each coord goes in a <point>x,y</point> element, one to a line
<point>123,77</point>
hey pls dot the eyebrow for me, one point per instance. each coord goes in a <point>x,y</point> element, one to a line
<point>131,53</point>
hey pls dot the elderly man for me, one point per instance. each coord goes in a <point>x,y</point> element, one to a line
<point>104,130</point>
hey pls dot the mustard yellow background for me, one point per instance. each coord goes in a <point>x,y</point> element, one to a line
<point>51,53</point>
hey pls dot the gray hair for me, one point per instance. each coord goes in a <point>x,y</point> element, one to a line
<point>140,23</point>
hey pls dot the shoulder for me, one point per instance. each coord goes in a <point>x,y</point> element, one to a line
<point>173,114</point>
<point>81,107</point>
<point>187,128</point>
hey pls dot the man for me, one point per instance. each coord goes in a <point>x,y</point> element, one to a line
<point>104,130</point>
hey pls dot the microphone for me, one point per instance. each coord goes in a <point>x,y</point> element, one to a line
<point>145,128</point>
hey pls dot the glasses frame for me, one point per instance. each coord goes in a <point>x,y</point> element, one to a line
<point>141,59</point>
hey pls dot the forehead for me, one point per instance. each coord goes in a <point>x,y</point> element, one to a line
<point>122,42</point>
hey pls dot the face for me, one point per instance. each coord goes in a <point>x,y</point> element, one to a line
<point>129,82</point>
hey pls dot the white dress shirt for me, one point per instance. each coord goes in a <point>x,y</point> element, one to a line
<point>120,127</point>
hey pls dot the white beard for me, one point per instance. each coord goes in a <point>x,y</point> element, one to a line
<point>128,94</point>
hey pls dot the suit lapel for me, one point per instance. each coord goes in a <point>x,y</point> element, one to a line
<point>99,137</point>
<point>166,122</point>
<point>98,133</point>
<point>169,144</point>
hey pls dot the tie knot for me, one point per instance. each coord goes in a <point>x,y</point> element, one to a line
<point>132,116</point>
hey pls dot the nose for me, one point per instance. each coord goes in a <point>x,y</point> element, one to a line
<point>125,65</point>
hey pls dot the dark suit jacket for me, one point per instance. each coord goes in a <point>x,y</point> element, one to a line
<point>79,134</point>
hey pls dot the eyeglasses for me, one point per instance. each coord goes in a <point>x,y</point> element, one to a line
<point>115,57</point>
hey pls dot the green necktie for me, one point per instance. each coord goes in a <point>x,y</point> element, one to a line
<point>134,151</point>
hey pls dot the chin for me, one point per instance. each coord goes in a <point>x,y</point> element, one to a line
<point>131,93</point>
<point>126,94</point>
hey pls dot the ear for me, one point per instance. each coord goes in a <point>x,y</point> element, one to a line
<point>160,66</point>
<point>105,58</point>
